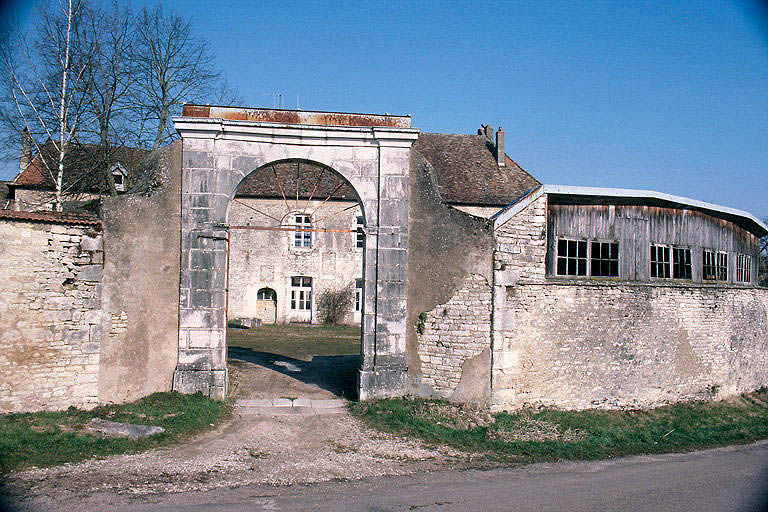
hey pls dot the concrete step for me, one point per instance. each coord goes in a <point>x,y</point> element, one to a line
<point>290,407</point>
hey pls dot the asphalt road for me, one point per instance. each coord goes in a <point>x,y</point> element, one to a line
<point>724,479</point>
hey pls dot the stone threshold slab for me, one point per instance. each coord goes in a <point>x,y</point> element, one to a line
<point>286,406</point>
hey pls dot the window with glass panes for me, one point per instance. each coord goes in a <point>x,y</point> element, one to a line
<point>743,268</point>
<point>681,263</point>
<point>571,257</point>
<point>360,233</point>
<point>302,238</point>
<point>358,294</point>
<point>715,265</point>
<point>265,294</point>
<point>661,262</point>
<point>301,293</point>
<point>604,259</point>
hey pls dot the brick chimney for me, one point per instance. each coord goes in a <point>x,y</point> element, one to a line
<point>488,131</point>
<point>26,149</point>
<point>501,157</point>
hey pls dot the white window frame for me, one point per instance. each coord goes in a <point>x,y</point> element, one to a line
<point>117,169</point>
<point>358,295</point>
<point>599,258</point>
<point>663,264</point>
<point>674,261</point>
<point>567,257</point>
<point>301,293</point>
<point>587,260</point>
<point>743,268</point>
<point>272,292</point>
<point>719,262</point>
<point>360,234</point>
<point>302,239</point>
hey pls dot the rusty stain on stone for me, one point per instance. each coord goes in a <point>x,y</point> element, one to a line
<point>267,115</point>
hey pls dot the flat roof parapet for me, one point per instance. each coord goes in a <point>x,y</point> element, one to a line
<point>271,115</point>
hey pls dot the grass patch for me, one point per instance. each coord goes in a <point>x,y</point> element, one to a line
<point>52,438</point>
<point>298,341</point>
<point>549,435</point>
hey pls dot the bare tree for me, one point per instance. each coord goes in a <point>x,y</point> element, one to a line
<point>173,67</point>
<point>108,35</point>
<point>42,79</point>
<point>96,82</point>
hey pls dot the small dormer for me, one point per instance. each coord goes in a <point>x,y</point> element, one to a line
<point>120,175</point>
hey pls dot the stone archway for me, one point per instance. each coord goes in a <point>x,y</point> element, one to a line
<point>223,145</point>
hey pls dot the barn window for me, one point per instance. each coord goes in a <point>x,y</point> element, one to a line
<point>302,238</point>
<point>715,266</point>
<point>604,259</point>
<point>360,232</point>
<point>266,294</point>
<point>661,261</point>
<point>681,263</point>
<point>571,257</point>
<point>743,268</point>
<point>301,293</point>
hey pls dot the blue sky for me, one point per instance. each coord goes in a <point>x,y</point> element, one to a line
<point>669,96</point>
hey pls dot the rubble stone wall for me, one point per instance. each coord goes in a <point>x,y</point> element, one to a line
<point>50,315</point>
<point>454,332</point>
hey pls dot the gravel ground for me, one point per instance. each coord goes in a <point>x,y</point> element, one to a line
<point>275,450</point>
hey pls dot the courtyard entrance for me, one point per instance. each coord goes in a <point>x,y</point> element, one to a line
<point>221,147</point>
<point>294,284</point>
<point>292,361</point>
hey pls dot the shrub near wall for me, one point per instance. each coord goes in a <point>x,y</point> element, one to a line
<point>50,301</point>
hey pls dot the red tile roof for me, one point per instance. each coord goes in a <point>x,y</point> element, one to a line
<point>79,173</point>
<point>312,180</point>
<point>50,217</point>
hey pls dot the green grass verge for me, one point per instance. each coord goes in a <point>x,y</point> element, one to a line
<point>52,438</point>
<point>547,434</point>
<point>298,341</point>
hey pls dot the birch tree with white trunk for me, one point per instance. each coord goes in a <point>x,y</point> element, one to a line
<point>43,71</point>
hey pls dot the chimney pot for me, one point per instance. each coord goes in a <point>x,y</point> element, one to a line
<point>501,156</point>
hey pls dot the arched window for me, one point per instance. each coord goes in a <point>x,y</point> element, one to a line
<point>266,294</point>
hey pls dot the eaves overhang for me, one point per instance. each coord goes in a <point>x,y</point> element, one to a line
<point>567,194</point>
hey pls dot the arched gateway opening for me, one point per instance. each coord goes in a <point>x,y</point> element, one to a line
<point>296,249</point>
<point>223,145</point>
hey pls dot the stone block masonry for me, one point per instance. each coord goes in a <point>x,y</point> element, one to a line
<point>50,311</point>
<point>629,345</point>
<point>454,332</point>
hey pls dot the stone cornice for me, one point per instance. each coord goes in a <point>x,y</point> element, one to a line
<point>309,135</point>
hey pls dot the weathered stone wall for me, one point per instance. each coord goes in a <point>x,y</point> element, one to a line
<point>454,333</point>
<point>615,344</point>
<point>631,345</point>
<point>268,259</point>
<point>449,272</point>
<point>141,286</point>
<point>50,286</point>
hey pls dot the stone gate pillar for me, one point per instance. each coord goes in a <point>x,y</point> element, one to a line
<point>221,146</point>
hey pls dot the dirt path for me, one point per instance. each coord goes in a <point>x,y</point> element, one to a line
<point>278,450</point>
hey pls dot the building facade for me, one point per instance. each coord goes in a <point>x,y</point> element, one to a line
<point>473,281</point>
